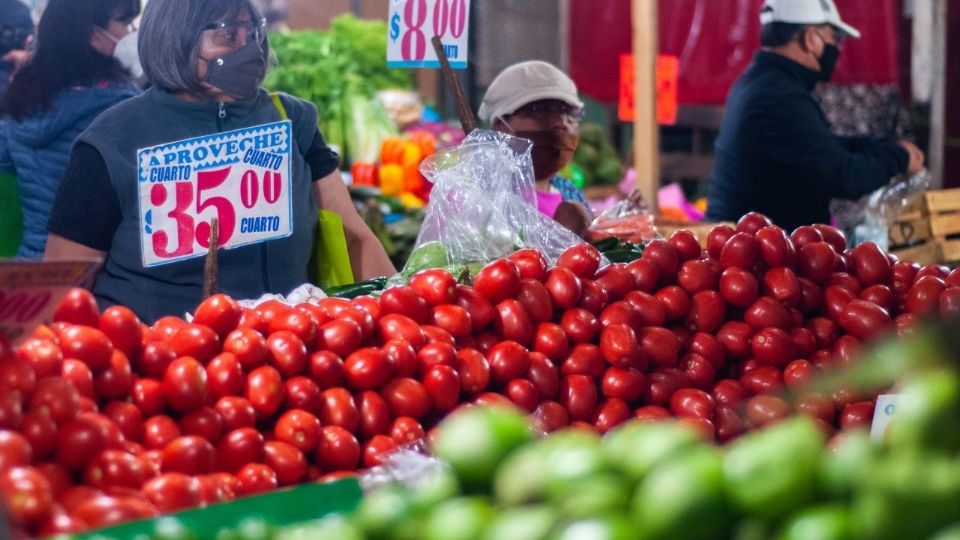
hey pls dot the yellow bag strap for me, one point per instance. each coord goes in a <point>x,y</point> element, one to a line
<point>279,105</point>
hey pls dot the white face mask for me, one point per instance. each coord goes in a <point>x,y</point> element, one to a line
<point>126,52</point>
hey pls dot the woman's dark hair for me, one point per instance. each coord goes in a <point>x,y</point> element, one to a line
<point>170,39</point>
<point>64,56</point>
<point>777,34</point>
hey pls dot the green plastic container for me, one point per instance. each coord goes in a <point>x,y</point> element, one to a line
<point>280,508</point>
<point>11,219</point>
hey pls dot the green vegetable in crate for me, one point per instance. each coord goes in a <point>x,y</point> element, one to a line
<point>924,414</point>
<point>611,527</point>
<point>522,523</point>
<point>818,523</point>
<point>844,466</point>
<point>383,510</point>
<point>637,448</point>
<point>463,518</point>
<point>772,472</point>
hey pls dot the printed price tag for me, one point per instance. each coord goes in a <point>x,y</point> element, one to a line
<point>413,23</point>
<point>30,292</point>
<point>667,80</point>
<point>882,414</point>
<point>242,178</point>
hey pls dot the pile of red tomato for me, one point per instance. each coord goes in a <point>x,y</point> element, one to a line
<point>104,419</point>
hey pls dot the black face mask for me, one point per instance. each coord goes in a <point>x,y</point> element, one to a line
<point>240,72</point>
<point>828,61</point>
<point>552,150</point>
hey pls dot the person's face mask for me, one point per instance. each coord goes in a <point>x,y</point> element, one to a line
<point>828,59</point>
<point>125,52</point>
<point>239,73</point>
<point>552,149</point>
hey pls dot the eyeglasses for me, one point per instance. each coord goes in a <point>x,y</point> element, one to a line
<point>237,33</point>
<point>837,36</point>
<point>543,109</point>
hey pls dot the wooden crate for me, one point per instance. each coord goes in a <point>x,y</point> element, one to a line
<point>908,233</point>
<point>925,253</point>
<point>949,251</point>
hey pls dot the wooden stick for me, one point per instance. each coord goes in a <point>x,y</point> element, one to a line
<point>210,269</point>
<point>646,138</point>
<point>467,120</point>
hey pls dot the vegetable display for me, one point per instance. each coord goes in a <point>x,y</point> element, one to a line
<point>105,420</point>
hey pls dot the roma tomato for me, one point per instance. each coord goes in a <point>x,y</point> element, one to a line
<point>498,280</point>
<point>403,300</point>
<point>523,393</point>
<point>343,336</point>
<point>298,428</point>
<point>224,376</point>
<point>564,288</point>
<point>407,398</point>
<point>535,299</point>
<point>646,274</point>
<point>405,430</point>
<point>326,368</point>
<point>337,407</point>
<point>15,450</point>
<point>707,312</point>
<point>776,249</point>
<point>766,311</point>
<point>204,422</point>
<point>664,256</point>
<point>691,402</point>
<point>128,418</point>
<point>286,461</point>
<point>881,295</point>
<point>442,384</point>
<point>816,261</point>
<point>377,450</point>
<point>871,266</point>
<point>675,302</point>
<point>78,307</point>
<point>80,440</point>
<point>56,398</point>
<point>578,395</point>
<point>338,450</point>
<point>508,360</point>
<point>738,287</point>
<point>688,247</point>
<point>582,259</point>
<point>717,239</point>
<point>402,357</point>
<point>374,414</point>
<point>27,494</point>
<point>857,415</point>
<point>740,251</point>
<point>584,359</point>
<point>235,412</point>
<point>481,311</point>
<point>185,384</point>
<point>437,286</point>
<point>299,324</point>
<point>753,222</point>
<point>41,432</point>
<point>696,276</point>
<point>782,284</point>
<point>923,298</point>
<point>550,416</point>
<point>302,393</point>
<point>530,263</point>
<point>551,340</point>
<point>189,455</point>
<point>817,406</point>
<point>580,325</point>
<point>649,311</point>
<point>196,341</point>
<point>701,372</point>
<point>544,375</point>
<point>43,355</point>
<point>89,345</point>
<point>709,348</point>
<point>627,384</point>
<point>950,303</point>
<point>367,369</point>
<point>619,346</point>
<point>661,346</point>
<point>763,380</point>
<point>256,478</point>
<point>766,410</point>
<point>265,391</point>
<point>610,414</point>
<point>219,312</point>
<point>513,322</point>
<point>865,320</point>
<point>729,393</point>
<point>147,395</point>
<point>616,280</point>
<point>474,371</point>
<point>773,347</point>
<point>805,234</point>
<point>240,447</point>
<point>396,326</point>
<point>453,319</point>
<point>249,347</point>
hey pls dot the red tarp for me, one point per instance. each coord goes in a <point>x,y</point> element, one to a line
<point>715,40</point>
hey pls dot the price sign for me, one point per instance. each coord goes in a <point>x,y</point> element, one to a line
<point>413,23</point>
<point>30,292</point>
<point>242,178</point>
<point>883,412</point>
<point>667,80</point>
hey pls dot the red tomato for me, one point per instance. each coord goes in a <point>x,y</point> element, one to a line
<point>580,325</point>
<point>763,380</point>
<point>675,302</point>
<point>717,239</point>
<point>19,375</point>
<point>128,418</point>
<point>766,410</point>
<point>271,309</point>
<point>582,259</point>
<point>776,249</point>
<point>610,414</point>
<point>804,235</point>
<point>865,320</point>
<point>148,396</point>
<point>734,337</point>
<point>326,368</point>
<point>707,312</point>
<point>433,354</point>
<point>729,424</point>
<point>43,355</point>
<point>299,323</point>
<point>846,282</point>
<point>700,371</point>
<point>753,222</point>
<point>810,296</point>
<point>251,319</point>
<point>407,397</point>
<point>550,416</point>
<point>434,334</point>
<point>564,287</point>
<point>235,412</point>
<point>401,355</point>
<point>89,345</point>
<point>709,348</point>
<point>535,299</point>
<point>880,295</point>
<point>902,277</point>
<point>396,326</point>
<point>578,395</point>
<point>817,261</point>
<point>857,415</point>
<point>185,384</point>
<point>406,430</point>
<point>337,407</point>
<point>404,300</point>
<point>15,450</point>
<point>338,450</point>
<point>481,311</point>
<point>665,256</point>
<point>594,298</point>
<point>648,309</point>
<point>551,340</point>
<point>729,393</point>
<point>738,287</point>
<point>436,286</point>
<point>782,285</point>
<point>950,303</point>
<point>923,298</point>
<point>871,266</point>
<point>78,307</point>
<point>41,433</point>
<point>219,312</point>
<point>616,280</point>
<point>584,359</point>
<point>224,376</point>
<point>688,247</point>
<point>661,346</point>
<point>645,273</point>
<point>766,311</point>
<point>159,431</point>
<point>530,262</point>
<point>265,390</point>
<point>544,376</point>
<point>189,455</point>
<point>288,463</point>
<point>627,384</point>
<point>824,330</point>
<point>741,251</point>
<point>474,371</point>
<point>302,393</point>
<point>513,323</point>
<point>367,369</point>
<point>56,398</point>
<point>773,347</point>
<point>442,384</point>
<point>804,340</point>
<point>80,440</point>
<point>691,402</point>
<point>623,312</point>
<point>27,494</point>
<point>817,406</point>
<point>452,318</point>
<point>343,336</point>
<point>696,276</point>
<point>377,450</point>
<point>832,236</point>
<point>249,347</point>
<point>257,478</point>
<point>115,382</point>
<point>11,409</point>
<point>651,413</point>
<point>523,393</point>
<point>619,346</point>
<point>370,304</point>
<point>196,341</point>
<point>240,447</point>
<point>298,428</point>
<point>498,280</point>
<point>374,414</point>
<point>508,360</point>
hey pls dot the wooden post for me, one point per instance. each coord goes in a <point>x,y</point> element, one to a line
<point>467,120</point>
<point>210,268</point>
<point>938,104</point>
<point>646,135</point>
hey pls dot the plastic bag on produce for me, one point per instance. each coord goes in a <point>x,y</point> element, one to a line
<point>304,293</point>
<point>869,219</point>
<point>483,206</point>
<point>629,220</point>
<point>410,465</point>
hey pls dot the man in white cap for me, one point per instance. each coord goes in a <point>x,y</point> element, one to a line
<point>776,153</point>
<point>536,101</point>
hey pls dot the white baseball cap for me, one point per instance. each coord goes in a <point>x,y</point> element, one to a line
<point>805,12</point>
<point>525,83</point>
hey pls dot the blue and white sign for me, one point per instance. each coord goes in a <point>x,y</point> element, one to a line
<point>243,178</point>
<point>413,23</point>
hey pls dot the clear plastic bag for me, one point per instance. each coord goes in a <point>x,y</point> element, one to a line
<point>869,218</point>
<point>629,220</point>
<point>483,205</point>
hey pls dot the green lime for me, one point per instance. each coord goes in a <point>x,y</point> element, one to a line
<point>818,523</point>
<point>522,523</point>
<point>463,518</point>
<point>637,447</point>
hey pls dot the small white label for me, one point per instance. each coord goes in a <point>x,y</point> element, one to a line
<point>882,414</point>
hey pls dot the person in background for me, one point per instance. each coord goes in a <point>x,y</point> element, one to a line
<point>16,29</point>
<point>776,153</point>
<point>206,61</point>
<point>534,100</point>
<point>69,79</point>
